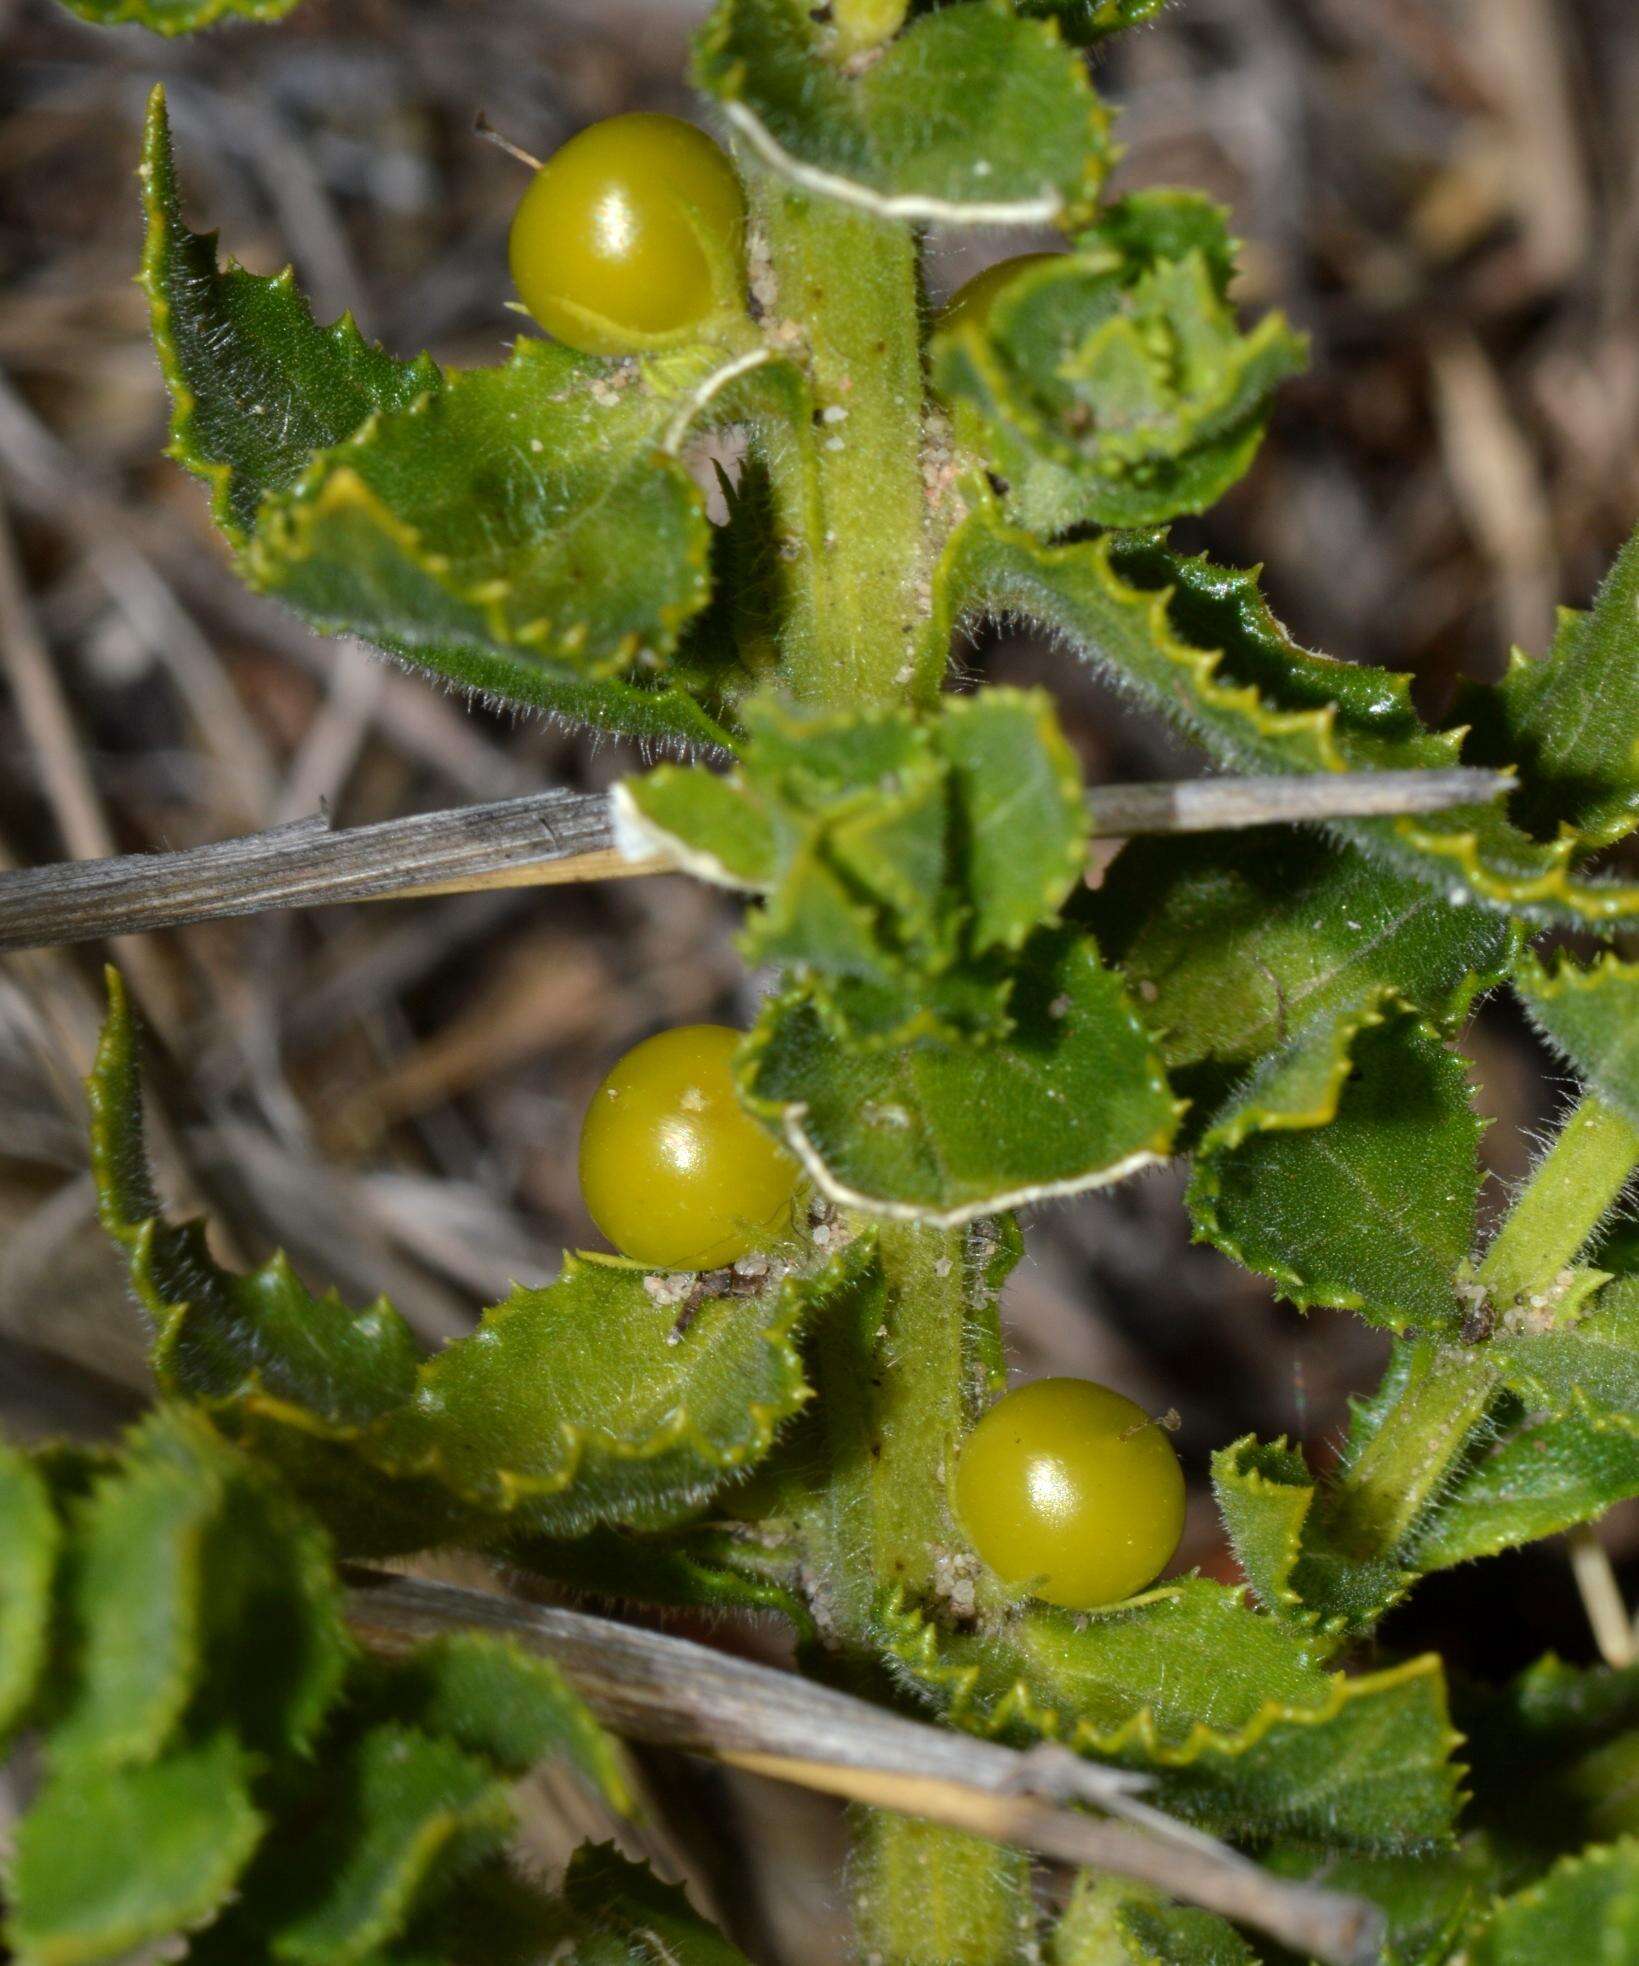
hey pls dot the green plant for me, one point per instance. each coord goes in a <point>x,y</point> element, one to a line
<point>174,17</point>
<point>961,1029</point>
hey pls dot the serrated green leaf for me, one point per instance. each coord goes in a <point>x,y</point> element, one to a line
<point>945,1130</point>
<point>298,1375</point>
<point>1569,1447</point>
<point>1428,1898</point>
<point>494,1700</point>
<point>1378,1775</point>
<point>1536,1482</point>
<point>222,1337</point>
<point>1249,1731</point>
<point>1496,1441</point>
<point>274,1644</point>
<point>1133,1680</point>
<point>1552,1765</point>
<point>749,1565</point>
<point>1114,1922</point>
<point>398,1815</point>
<point>714,826</point>
<point>970,110</point>
<point>1552,1759</point>
<point>625,1916</point>
<point>1585,1362</point>
<point>1084,21</point>
<point>1346,1170</point>
<point>1236,942</point>
<point>29,1540</point>
<point>940,1051</point>
<point>1562,1451</point>
<point>171,17</point>
<point>1587,1908</point>
<point>77,1896</point>
<point>1591,1016</point>
<point>1112,384</point>
<point>887,842</point>
<point>1275,1513</point>
<point>492,543</point>
<point>1021,825</point>
<point>819,759</point>
<point>1200,643</point>
<point>257,386</point>
<point>681,706</point>
<point>895,850</point>
<point>1569,721</point>
<point>196,1589</point>
<point>867,895</point>
<point>137,1584</point>
<point>525,515</point>
<point>572,1405</point>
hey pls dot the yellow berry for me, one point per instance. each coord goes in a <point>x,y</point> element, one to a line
<point>675,1171</point>
<point>1071,1489</point>
<point>624,234</point>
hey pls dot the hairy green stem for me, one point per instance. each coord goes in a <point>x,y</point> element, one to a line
<point>900,1370</point>
<point>1573,1188</point>
<point>1389,1484</point>
<point>899,1397</point>
<point>848,489</point>
<point>899,1373</point>
<point>1447,1388</point>
<point>929,1896</point>
<point>920,1396</point>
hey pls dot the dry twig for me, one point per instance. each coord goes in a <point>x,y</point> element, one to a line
<point>649,1686</point>
<point>555,837</point>
<point>1601,1594</point>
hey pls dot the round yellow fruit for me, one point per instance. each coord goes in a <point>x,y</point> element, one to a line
<point>675,1171</point>
<point>1073,1490</point>
<point>623,235</point>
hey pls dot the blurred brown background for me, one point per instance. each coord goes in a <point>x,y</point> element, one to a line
<point>1445,193</point>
